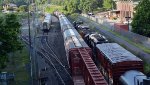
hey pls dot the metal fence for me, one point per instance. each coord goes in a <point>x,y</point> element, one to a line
<point>139,39</point>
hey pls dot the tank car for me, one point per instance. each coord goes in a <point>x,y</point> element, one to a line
<point>83,69</point>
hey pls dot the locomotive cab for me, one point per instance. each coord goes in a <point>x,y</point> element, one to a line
<point>134,77</point>
<point>95,39</point>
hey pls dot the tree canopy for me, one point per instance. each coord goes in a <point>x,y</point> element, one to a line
<point>9,37</point>
<point>80,5</point>
<point>141,20</point>
<point>107,4</point>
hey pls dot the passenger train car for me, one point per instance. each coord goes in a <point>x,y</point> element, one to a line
<point>46,24</point>
<point>83,69</point>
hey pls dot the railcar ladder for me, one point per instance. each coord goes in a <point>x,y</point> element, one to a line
<point>95,74</point>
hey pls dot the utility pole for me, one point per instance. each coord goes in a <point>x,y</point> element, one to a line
<point>30,47</point>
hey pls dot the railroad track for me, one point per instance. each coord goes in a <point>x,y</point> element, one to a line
<point>51,59</point>
<point>57,45</point>
<point>46,49</point>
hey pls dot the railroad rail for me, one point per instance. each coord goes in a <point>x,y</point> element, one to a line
<point>51,59</point>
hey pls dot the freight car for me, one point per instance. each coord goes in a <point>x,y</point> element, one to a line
<point>128,76</point>
<point>115,61</point>
<point>83,69</point>
<point>47,22</point>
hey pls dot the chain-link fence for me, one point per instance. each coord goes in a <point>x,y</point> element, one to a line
<point>139,39</point>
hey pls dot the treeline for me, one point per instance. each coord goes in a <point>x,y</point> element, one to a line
<point>78,6</point>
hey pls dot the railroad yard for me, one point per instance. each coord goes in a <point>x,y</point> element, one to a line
<point>61,57</point>
<point>75,42</point>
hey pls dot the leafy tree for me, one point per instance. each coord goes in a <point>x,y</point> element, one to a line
<point>107,4</point>
<point>73,6</point>
<point>23,8</point>
<point>57,2</point>
<point>9,39</point>
<point>141,20</point>
<point>1,8</point>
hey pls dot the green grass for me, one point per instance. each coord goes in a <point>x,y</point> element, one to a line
<point>147,69</point>
<point>17,65</point>
<point>53,8</point>
<point>145,49</point>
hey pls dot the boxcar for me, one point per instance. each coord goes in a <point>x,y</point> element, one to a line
<point>83,69</point>
<point>115,61</point>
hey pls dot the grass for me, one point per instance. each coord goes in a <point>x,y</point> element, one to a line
<point>53,8</point>
<point>17,65</point>
<point>145,49</point>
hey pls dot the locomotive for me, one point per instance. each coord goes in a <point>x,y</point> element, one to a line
<point>46,24</point>
<point>119,66</point>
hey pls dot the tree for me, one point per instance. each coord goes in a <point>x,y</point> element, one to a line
<point>141,20</point>
<point>73,6</point>
<point>107,4</point>
<point>10,42</point>
<point>23,8</point>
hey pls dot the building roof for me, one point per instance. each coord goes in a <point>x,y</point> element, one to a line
<point>115,53</point>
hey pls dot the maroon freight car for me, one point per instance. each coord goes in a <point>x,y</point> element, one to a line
<point>83,69</point>
<point>115,61</point>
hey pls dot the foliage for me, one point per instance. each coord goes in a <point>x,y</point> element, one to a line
<point>52,8</point>
<point>18,64</point>
<point>23,8</point>
<point>10,8</point>
<point>77,6</point>
<point>57,2</point>
<point>9,31</point>
<point>107,4</point>
<point>141,20</point>
<point>1,8</point>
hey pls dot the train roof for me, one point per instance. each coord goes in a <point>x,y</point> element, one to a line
<point>97,37</point>
<point>75,42</point>
<point>72,38</point>
<point>115,53</point>
<point>70,32</point>
<point>66,27</point>
<point>129,77</point>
